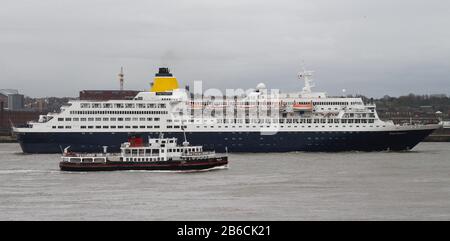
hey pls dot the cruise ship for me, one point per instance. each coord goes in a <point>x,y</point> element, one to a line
<point>259,120</point>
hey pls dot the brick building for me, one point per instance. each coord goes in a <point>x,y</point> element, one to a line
<point>17,118</point>
<point>108,94</point>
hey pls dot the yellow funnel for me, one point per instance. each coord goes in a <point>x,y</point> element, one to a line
<point>164,81</point>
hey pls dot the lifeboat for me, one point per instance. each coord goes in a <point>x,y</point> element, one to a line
<point>302,107</point>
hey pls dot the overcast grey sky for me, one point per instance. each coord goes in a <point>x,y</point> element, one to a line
<point>377,47</point>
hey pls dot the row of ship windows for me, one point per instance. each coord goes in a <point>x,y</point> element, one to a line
<point>141,152</point>
<point>121,105</point>
<point>108,127</point>
<point>294,121</point>
<point>143,159</point>
<point>109,119</point>
<point>141,105</point>
<point>101,112</point>
<point>182,127</point>
<point>229,121</point>
<point>268,103</point>
<point>282,126</point>
<point>336,103</point>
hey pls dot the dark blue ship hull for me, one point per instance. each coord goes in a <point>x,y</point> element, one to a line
<point>234,141</point>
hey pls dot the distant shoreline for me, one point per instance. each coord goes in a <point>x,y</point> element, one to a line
<point>7,139</point>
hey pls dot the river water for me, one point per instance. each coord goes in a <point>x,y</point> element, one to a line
<point>412,185</point>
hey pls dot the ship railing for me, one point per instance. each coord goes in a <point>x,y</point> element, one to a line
<point>85,159</point>
<point>89,155</point>
<point>141,155</point>
<point>199,154</point>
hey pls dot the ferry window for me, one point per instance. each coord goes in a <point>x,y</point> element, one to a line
<point>83,127</point>
<point>128,127</point>
<point>156,127</point>
<point>120,127</point>
<point>120,119</point>
<point>68,127</point>
<point>142,127</point>
<point>98,127</point>
<point>149,119</point>
<point>135,127</point>
<point>127,119</point>
<point>90,119</point>
<point>98,119</point>
<point>60,119</point>
<point>76,119</point>
<point>149,127</point>
<point>105,127</point>
<point>113,127</point>
<point>60,127</point>
<point>90,127</point>
<point>54,127</point>
<point>83,119</point>
<point>98,160</point>
<point>135,119</point>
<point>105,119</point>
<point>68,119</point>
<point>142,119</point>
<point>157,119</point>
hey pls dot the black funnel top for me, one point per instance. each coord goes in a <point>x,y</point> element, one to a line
<point>164,72</point>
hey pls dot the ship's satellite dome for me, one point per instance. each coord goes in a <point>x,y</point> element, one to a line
<point>261,86</point>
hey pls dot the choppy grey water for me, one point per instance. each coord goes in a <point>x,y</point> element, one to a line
<point>291,186</point>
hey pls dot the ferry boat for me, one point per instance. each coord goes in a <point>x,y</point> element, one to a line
<point>262,120</point>
<point>158,154</point>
